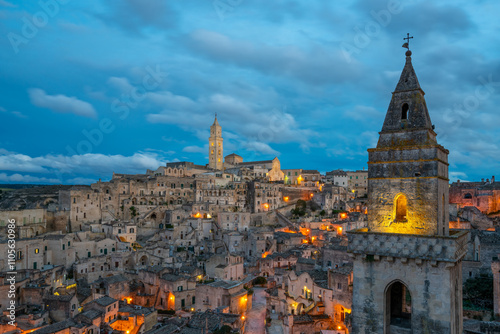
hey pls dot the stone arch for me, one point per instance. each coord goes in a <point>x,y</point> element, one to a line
<point>300,308</point>
<point>400,207</point>
<point>468,196</point>
<point>265,273</point>
<point>398,307</point>
<point>48,201</point>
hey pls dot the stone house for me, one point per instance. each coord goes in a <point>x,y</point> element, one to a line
<point>263,196</point>
<point>125,231</point>
<point>268,264</point>
<point>308,291</point>
<point>335,254</point>
<point>286,241</point>
<point>116,287</point>
<point>312,178</point>
<point>337,177</point>
<point>131,318</point>
<point>357,183</point>
<point>225,267</point>
<point>484,195</point>
<point>106,305</point>
<point>306,324</point>
<point>61,307</point>
<point>223,293</point>
<point>176,292</point>
<point>293,176</point>
<point>234,221</point>
<point>68,326</point>
<point>482,248</point>
<point>340,282</point>
<point>201,321</point>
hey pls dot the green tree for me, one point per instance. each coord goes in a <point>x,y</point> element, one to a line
<point>478,291</point>
<point>224,330</point>
<point>133,211</point>
<point>301,204</point>
<point>260,280</point>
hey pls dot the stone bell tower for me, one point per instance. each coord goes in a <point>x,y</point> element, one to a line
<point>407,265</point>
<point>215,151</point>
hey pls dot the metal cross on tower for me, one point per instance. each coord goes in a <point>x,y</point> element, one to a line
<point>407,39</point>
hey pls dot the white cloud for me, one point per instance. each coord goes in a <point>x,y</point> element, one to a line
<point>74,169</point>
<point>15,113</point>
<point>81,180</point>
<point>261,148</point>
<point>195,149</point>
<point>121,83</point>
<point>61,103</point>
<point>19,178</point>
<point>19,114</point>
<point>317,65</point>
<point>458,176</point>
<point>361,113</point>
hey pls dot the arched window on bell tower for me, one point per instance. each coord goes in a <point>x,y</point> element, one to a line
<point>401,207</point>
<point>404,111</point>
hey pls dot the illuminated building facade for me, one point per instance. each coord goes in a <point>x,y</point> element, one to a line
<point>407,265</point>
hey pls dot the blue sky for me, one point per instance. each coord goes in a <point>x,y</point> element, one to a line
<point>95,87</point>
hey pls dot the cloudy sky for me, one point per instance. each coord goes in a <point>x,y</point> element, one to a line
<point>92,87</point>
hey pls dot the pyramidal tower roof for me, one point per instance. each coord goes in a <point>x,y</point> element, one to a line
<point>407,110</point>
<point>216,123</point>
<point>408,79</point>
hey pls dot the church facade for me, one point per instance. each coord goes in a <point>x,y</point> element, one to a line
<point>407,275</point>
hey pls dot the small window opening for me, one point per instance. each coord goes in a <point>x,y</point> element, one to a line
<point>404,111</point>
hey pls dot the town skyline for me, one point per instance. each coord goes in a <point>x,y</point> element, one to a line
<point>306,93</point>
<point>236,167</point>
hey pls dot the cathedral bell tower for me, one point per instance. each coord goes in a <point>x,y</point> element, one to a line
<point>215,152</point>
<point>407,264</point>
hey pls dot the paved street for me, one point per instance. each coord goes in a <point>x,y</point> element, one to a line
<point>257,315</point>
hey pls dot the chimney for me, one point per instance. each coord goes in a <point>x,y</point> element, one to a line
<point>487,180</point>
<point>493,179</point>
<point>458,181</point>
<point>482,180</point>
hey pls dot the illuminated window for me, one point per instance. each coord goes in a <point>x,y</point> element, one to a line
<point>37,250</point>
<point>401,203</point>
